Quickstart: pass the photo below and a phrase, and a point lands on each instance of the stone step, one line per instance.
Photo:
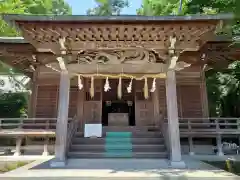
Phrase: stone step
(102, 148)
(123, 155)
(97, 141)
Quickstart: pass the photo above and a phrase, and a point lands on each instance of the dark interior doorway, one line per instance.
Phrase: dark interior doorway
(118, 107)
(112, 104)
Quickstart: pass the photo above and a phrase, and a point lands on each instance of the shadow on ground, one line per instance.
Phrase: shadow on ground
(149, 169)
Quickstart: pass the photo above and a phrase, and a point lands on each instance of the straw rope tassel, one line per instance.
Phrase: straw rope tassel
(145, 89)
(80, 85)
(119, 93)
(92, 87)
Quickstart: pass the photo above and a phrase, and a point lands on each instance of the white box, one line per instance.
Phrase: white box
(93, 130)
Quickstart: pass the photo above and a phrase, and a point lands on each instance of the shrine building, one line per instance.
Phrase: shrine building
(134, 78)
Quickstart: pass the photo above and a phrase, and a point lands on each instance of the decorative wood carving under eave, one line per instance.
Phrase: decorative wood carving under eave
(190, 35)
(20, 66)
(212, 54)
(24, 56)
(137, 56)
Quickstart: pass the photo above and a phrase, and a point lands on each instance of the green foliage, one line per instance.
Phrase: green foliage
(9, 166)
(13, 105)
(56, 7)
(13, 7)
(163, 7)
(217, 6)
(223, 91)
(108, 7)
(231, 166)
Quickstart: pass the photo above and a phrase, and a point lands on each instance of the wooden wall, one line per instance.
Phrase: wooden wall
(191, 97)
(191, 94)
(92, 107)
(47, 98)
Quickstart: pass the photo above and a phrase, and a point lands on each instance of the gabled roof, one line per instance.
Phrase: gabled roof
(120, 18)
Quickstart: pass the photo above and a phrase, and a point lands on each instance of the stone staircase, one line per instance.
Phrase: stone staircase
(119, 142)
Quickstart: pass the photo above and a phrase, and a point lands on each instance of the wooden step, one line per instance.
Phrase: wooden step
(102, 148)
(104, 155)
(120, 142)
(81, 140)
(133, 134)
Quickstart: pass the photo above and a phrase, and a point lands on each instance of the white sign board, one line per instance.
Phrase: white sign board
(93, 130)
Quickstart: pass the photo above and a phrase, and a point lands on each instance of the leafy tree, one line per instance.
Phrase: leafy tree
(219, 6)
(163, 7)
(56, 7)
(13, 7)
(13, 104)
(108, 7)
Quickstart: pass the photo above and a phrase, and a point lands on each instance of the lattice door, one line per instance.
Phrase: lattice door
(144, 110)
(93, 106)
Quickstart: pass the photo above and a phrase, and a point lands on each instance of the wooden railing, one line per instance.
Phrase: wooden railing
(208, 128)
(72, 128)
(23, 129)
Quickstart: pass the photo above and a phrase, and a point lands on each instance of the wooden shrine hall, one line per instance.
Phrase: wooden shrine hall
(133, 76)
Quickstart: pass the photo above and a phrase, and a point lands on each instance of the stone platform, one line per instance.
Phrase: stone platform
(117, 169)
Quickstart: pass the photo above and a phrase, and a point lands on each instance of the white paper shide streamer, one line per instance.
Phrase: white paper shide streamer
(129, 88)
(80, 85)
(107, 86)
(153, 85)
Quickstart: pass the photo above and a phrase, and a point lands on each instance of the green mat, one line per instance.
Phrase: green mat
(118, 134)
(118, 144)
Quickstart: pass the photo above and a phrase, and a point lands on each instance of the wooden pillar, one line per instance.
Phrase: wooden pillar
(45, 146)
(18, 146)
(80, 105)
(219, 145)
(62, 121)
(204, 96)
(33, 96)
(156, 106)
(173, 124)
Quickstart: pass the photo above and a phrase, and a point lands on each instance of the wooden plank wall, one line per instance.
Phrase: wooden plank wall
(190, 96)
(144, 109)
(47, 98)
(73, 100)
(92, 106)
